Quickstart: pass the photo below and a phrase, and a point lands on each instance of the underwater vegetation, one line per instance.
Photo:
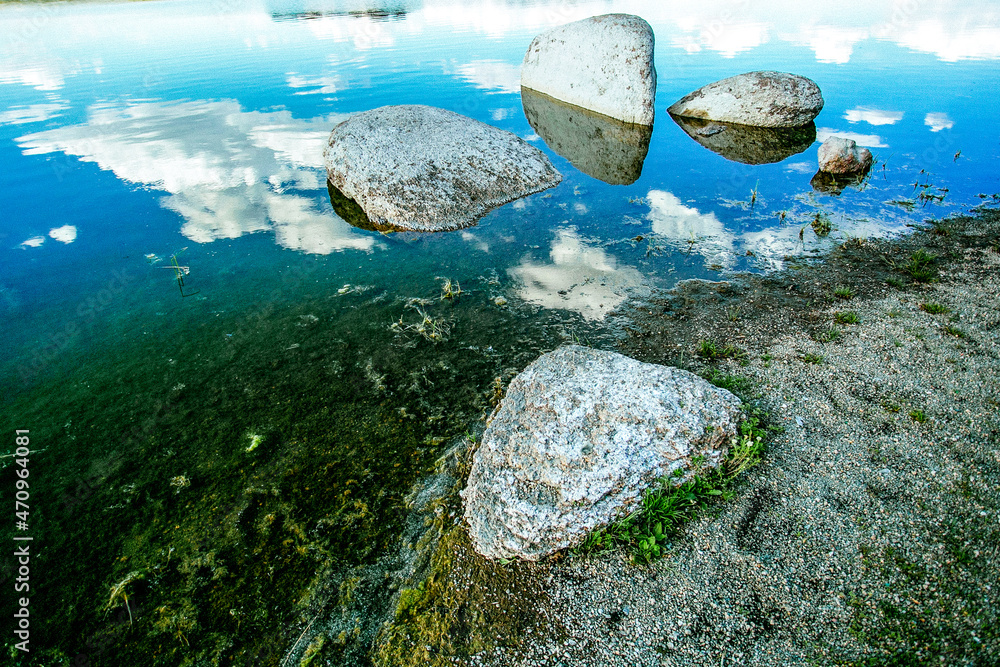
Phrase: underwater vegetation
(218, 506)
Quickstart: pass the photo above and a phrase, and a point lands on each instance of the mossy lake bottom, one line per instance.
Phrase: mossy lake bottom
(201, 487)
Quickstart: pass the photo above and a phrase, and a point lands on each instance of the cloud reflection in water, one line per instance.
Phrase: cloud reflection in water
(227, 171)
(581, 278)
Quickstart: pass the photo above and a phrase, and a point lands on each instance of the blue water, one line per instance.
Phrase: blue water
(144, 128)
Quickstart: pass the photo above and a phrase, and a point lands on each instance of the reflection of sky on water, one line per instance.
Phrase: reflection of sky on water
(227, 171)
(215, 116)
(686, 225)
(873, 116)
(938, 122)
(34, 113)
(580, 277)
(869, 140)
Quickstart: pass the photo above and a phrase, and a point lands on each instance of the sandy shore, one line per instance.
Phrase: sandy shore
(870, 535)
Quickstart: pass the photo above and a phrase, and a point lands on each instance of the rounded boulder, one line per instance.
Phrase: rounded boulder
(761, 99)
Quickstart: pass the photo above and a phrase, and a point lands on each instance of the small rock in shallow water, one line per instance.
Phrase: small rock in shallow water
(841, 156)
(761, 99)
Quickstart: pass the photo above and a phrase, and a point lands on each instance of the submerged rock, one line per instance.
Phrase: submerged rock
(579, 436)
(762, 99)
(420, 168)
(841, 156)
(747, 144)
(602, 63)
(600, 146)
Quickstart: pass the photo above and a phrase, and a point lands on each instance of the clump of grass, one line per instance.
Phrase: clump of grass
(922, 266)
(827, 335)
(119, 592)
(496, 391)
(954, 331)
(433, 329)
(934, 308)
(821, 224)
(450, 289)
(811, 358)
(848, 317)
(668, 506)
(843, 292)
(893, 281)
(737, 384)
(709, 350)
(918, 416)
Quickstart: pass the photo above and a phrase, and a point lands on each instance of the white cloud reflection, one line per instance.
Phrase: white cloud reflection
(319, 85)
(869, 140)
(226, 171)
(64, 234)
(34, 113)
(726, 39)
(831, 44)
(580, 277)
(953, 35)
(873, 116)
(45, 75)
(683, 224)
(938, 122)
(492, 75)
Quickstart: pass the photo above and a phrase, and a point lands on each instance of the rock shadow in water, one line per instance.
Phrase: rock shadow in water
(353, 214)
(747, 144)
(834, 184)
(600, 146)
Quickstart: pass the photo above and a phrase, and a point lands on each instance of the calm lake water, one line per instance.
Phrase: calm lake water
(215, 443)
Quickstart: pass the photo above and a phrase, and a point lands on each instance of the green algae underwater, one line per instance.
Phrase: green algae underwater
(203, 492)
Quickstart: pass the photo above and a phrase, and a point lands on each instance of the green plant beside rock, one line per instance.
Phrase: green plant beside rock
(668, 506)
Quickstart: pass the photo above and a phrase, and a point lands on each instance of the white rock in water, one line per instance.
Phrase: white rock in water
(762, 99)
(420, 168)
(603, 63)
(577, 439)
(841, 156)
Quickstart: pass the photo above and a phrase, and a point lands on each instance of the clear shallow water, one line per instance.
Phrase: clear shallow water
(131, 133)
(145, 128)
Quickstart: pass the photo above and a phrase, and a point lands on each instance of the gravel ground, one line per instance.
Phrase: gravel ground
(870, 534)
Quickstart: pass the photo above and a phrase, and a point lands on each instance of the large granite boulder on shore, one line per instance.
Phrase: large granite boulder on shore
(842, 157)
(602, 63)
(602, 147)
(420, 168)
(748, 144)
(578, 438)
(762, 99)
